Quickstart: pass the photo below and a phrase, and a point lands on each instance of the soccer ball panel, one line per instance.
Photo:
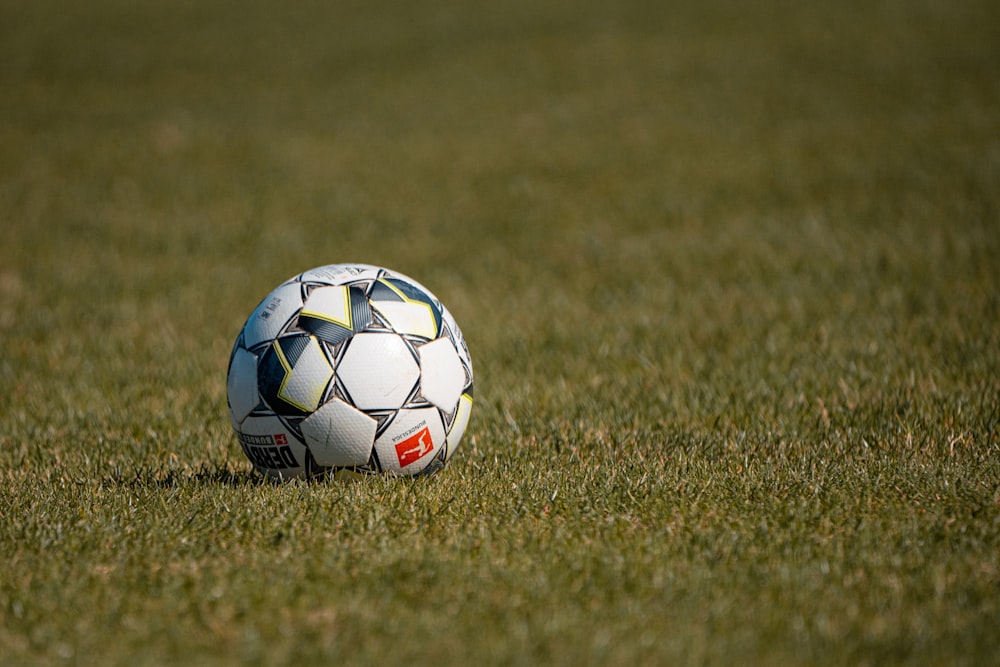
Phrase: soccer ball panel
(411, 441)
(339, 274)
(241, 385)
(272, 314)
(272, 447)
(459, 340)
(335, 313)
(338, 435)
(407, 308)
(378, 371)
(293, 375)
(416, 319)
(409, 286)
(459, 425)
(306, 381)
(332, 304)
(442, 376)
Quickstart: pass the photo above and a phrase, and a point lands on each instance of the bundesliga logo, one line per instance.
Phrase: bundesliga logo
(414, 448)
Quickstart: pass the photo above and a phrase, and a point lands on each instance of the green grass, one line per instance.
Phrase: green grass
(728, 272)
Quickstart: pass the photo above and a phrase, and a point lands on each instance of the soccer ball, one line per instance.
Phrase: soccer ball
(349, 367)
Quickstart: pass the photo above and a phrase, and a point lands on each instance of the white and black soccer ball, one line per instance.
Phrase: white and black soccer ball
(349, 367)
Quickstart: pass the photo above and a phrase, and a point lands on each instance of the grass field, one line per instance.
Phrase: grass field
(729, 273)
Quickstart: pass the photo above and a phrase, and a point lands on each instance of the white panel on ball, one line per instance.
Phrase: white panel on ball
(272, 447)
(330, 303)
(339, 436)
(272, 314)
(442, 377)
(378, 371)
(410, 441)
(339, 274)
(408, 317)
(463, 350)
(241, 385)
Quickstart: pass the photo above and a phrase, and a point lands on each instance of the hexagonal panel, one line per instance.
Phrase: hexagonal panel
(378, 371)
(339, 435)
(442, 376)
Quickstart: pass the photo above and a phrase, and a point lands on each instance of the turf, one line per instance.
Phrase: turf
(728, 272)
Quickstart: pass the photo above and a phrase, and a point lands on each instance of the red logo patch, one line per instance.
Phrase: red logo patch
(281, 439)
(415, 447)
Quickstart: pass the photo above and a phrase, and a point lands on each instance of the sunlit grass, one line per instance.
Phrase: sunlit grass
(728, 275)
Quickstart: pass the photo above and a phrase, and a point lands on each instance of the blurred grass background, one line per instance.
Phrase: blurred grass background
(728, 273)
